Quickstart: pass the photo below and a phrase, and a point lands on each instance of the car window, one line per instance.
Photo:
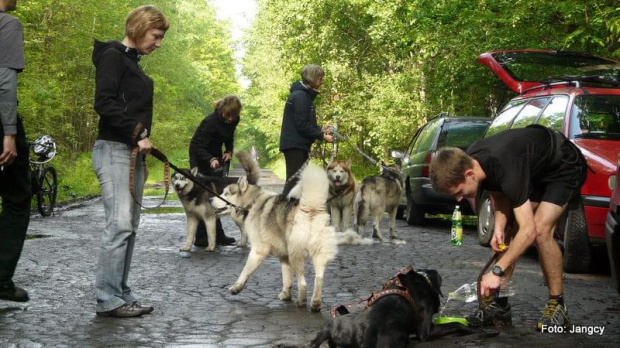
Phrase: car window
(530, 112)
(426, 138)
(461, 133)
(596, 117)
(505, 117)
(553, 116)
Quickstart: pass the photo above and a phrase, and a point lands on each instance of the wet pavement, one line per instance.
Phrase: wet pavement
(194, 309)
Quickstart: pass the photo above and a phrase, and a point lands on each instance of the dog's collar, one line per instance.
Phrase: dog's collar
(428, 280)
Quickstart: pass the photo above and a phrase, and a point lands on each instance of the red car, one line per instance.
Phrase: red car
(576, 94)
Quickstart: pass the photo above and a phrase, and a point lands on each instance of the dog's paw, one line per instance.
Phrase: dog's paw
(185, 248)
(316, 307)
(284, 296)
(235, 289)
(210, 248)
(300, 302)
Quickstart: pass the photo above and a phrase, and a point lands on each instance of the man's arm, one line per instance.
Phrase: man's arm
(502, 211)
(8, 114)
(524, 214)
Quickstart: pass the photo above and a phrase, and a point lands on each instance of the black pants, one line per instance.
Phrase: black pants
(15, 193)
(295, 159)
(201, 230)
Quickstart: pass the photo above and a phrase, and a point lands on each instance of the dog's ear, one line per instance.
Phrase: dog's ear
(349, 163)
(194, 171)
(243, 183)
(435, 279)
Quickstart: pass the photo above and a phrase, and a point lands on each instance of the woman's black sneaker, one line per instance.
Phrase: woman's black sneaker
(13, 293)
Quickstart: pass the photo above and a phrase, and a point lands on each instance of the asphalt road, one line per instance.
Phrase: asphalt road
(193, 308)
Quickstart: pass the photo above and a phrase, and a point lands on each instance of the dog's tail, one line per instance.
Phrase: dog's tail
(252, 171)
(314, 188)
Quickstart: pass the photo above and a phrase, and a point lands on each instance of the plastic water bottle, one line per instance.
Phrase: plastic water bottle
(456, 234)
(469, 292)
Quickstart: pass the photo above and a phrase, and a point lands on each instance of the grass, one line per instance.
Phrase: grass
(163, 210)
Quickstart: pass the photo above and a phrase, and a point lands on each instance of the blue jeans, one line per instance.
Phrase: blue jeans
(111, 162)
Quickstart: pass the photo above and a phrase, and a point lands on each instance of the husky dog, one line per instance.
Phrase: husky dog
(341, 193)
(195, 199)
(289, 229)
(376, 195)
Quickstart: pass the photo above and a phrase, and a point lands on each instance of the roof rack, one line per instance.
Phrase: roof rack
(577, 84)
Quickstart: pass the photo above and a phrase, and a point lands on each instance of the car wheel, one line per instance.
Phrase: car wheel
(577, 250)
(486, 219)
(415, 213)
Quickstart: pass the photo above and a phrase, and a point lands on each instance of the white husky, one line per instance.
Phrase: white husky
(290, 229)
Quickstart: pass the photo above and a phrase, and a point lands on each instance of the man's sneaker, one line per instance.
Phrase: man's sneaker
(495, 312)
(555, 314)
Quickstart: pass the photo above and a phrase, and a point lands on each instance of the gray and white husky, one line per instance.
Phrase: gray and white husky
(378, 195)
(289, 229)
(195, 199)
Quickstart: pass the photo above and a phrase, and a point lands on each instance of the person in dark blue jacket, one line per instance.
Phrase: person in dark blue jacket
(299, 126)
(124, 102)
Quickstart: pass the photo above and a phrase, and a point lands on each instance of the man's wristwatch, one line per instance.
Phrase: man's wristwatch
(498, 271)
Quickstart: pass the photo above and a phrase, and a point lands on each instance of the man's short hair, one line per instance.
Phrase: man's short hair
(143, 18)
(311, 74)
(448, 168)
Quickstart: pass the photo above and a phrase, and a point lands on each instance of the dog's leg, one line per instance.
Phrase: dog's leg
(192, 225)
(346, 217)
(320, 263)
(243, 242)
(210, 223)
(287, 280)
(393, 223)
(335, 212)
(254, 260)
(376, 220)
(297, 263)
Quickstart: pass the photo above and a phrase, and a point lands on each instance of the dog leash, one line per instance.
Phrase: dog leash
(132, 178)
(167, 165)
(368, 157)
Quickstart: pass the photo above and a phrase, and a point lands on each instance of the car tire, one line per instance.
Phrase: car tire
(415, 213)
(486, 219)
(577, 249)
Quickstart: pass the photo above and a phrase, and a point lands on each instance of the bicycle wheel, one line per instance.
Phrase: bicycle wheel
(48, 187)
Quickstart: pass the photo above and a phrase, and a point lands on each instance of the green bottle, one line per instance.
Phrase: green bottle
(456, 234)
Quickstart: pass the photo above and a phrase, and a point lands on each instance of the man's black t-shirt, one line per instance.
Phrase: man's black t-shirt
(515, 162)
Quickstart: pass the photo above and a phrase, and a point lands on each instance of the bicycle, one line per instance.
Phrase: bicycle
(44, 179)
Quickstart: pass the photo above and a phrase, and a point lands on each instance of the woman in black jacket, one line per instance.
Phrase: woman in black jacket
(124, 102)
(205, 152)
(299, 127)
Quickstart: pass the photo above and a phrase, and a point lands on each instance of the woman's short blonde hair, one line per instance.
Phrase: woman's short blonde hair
(228, 106)
(311, 73)
(143, 18)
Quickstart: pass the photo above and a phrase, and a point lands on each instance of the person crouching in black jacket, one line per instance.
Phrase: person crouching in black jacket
(205, 152)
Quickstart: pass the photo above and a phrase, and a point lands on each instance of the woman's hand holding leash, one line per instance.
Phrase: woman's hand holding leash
(145, 146)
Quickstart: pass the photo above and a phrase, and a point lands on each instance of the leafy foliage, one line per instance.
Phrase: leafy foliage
(394, 63)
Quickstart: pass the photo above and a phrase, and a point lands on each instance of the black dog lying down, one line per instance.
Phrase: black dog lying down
(405, 306)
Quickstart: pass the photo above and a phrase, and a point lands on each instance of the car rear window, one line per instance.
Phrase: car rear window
(461, 133)
(596, 117)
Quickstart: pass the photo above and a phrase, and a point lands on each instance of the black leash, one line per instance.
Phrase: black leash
(160, 156)
(370, 159)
